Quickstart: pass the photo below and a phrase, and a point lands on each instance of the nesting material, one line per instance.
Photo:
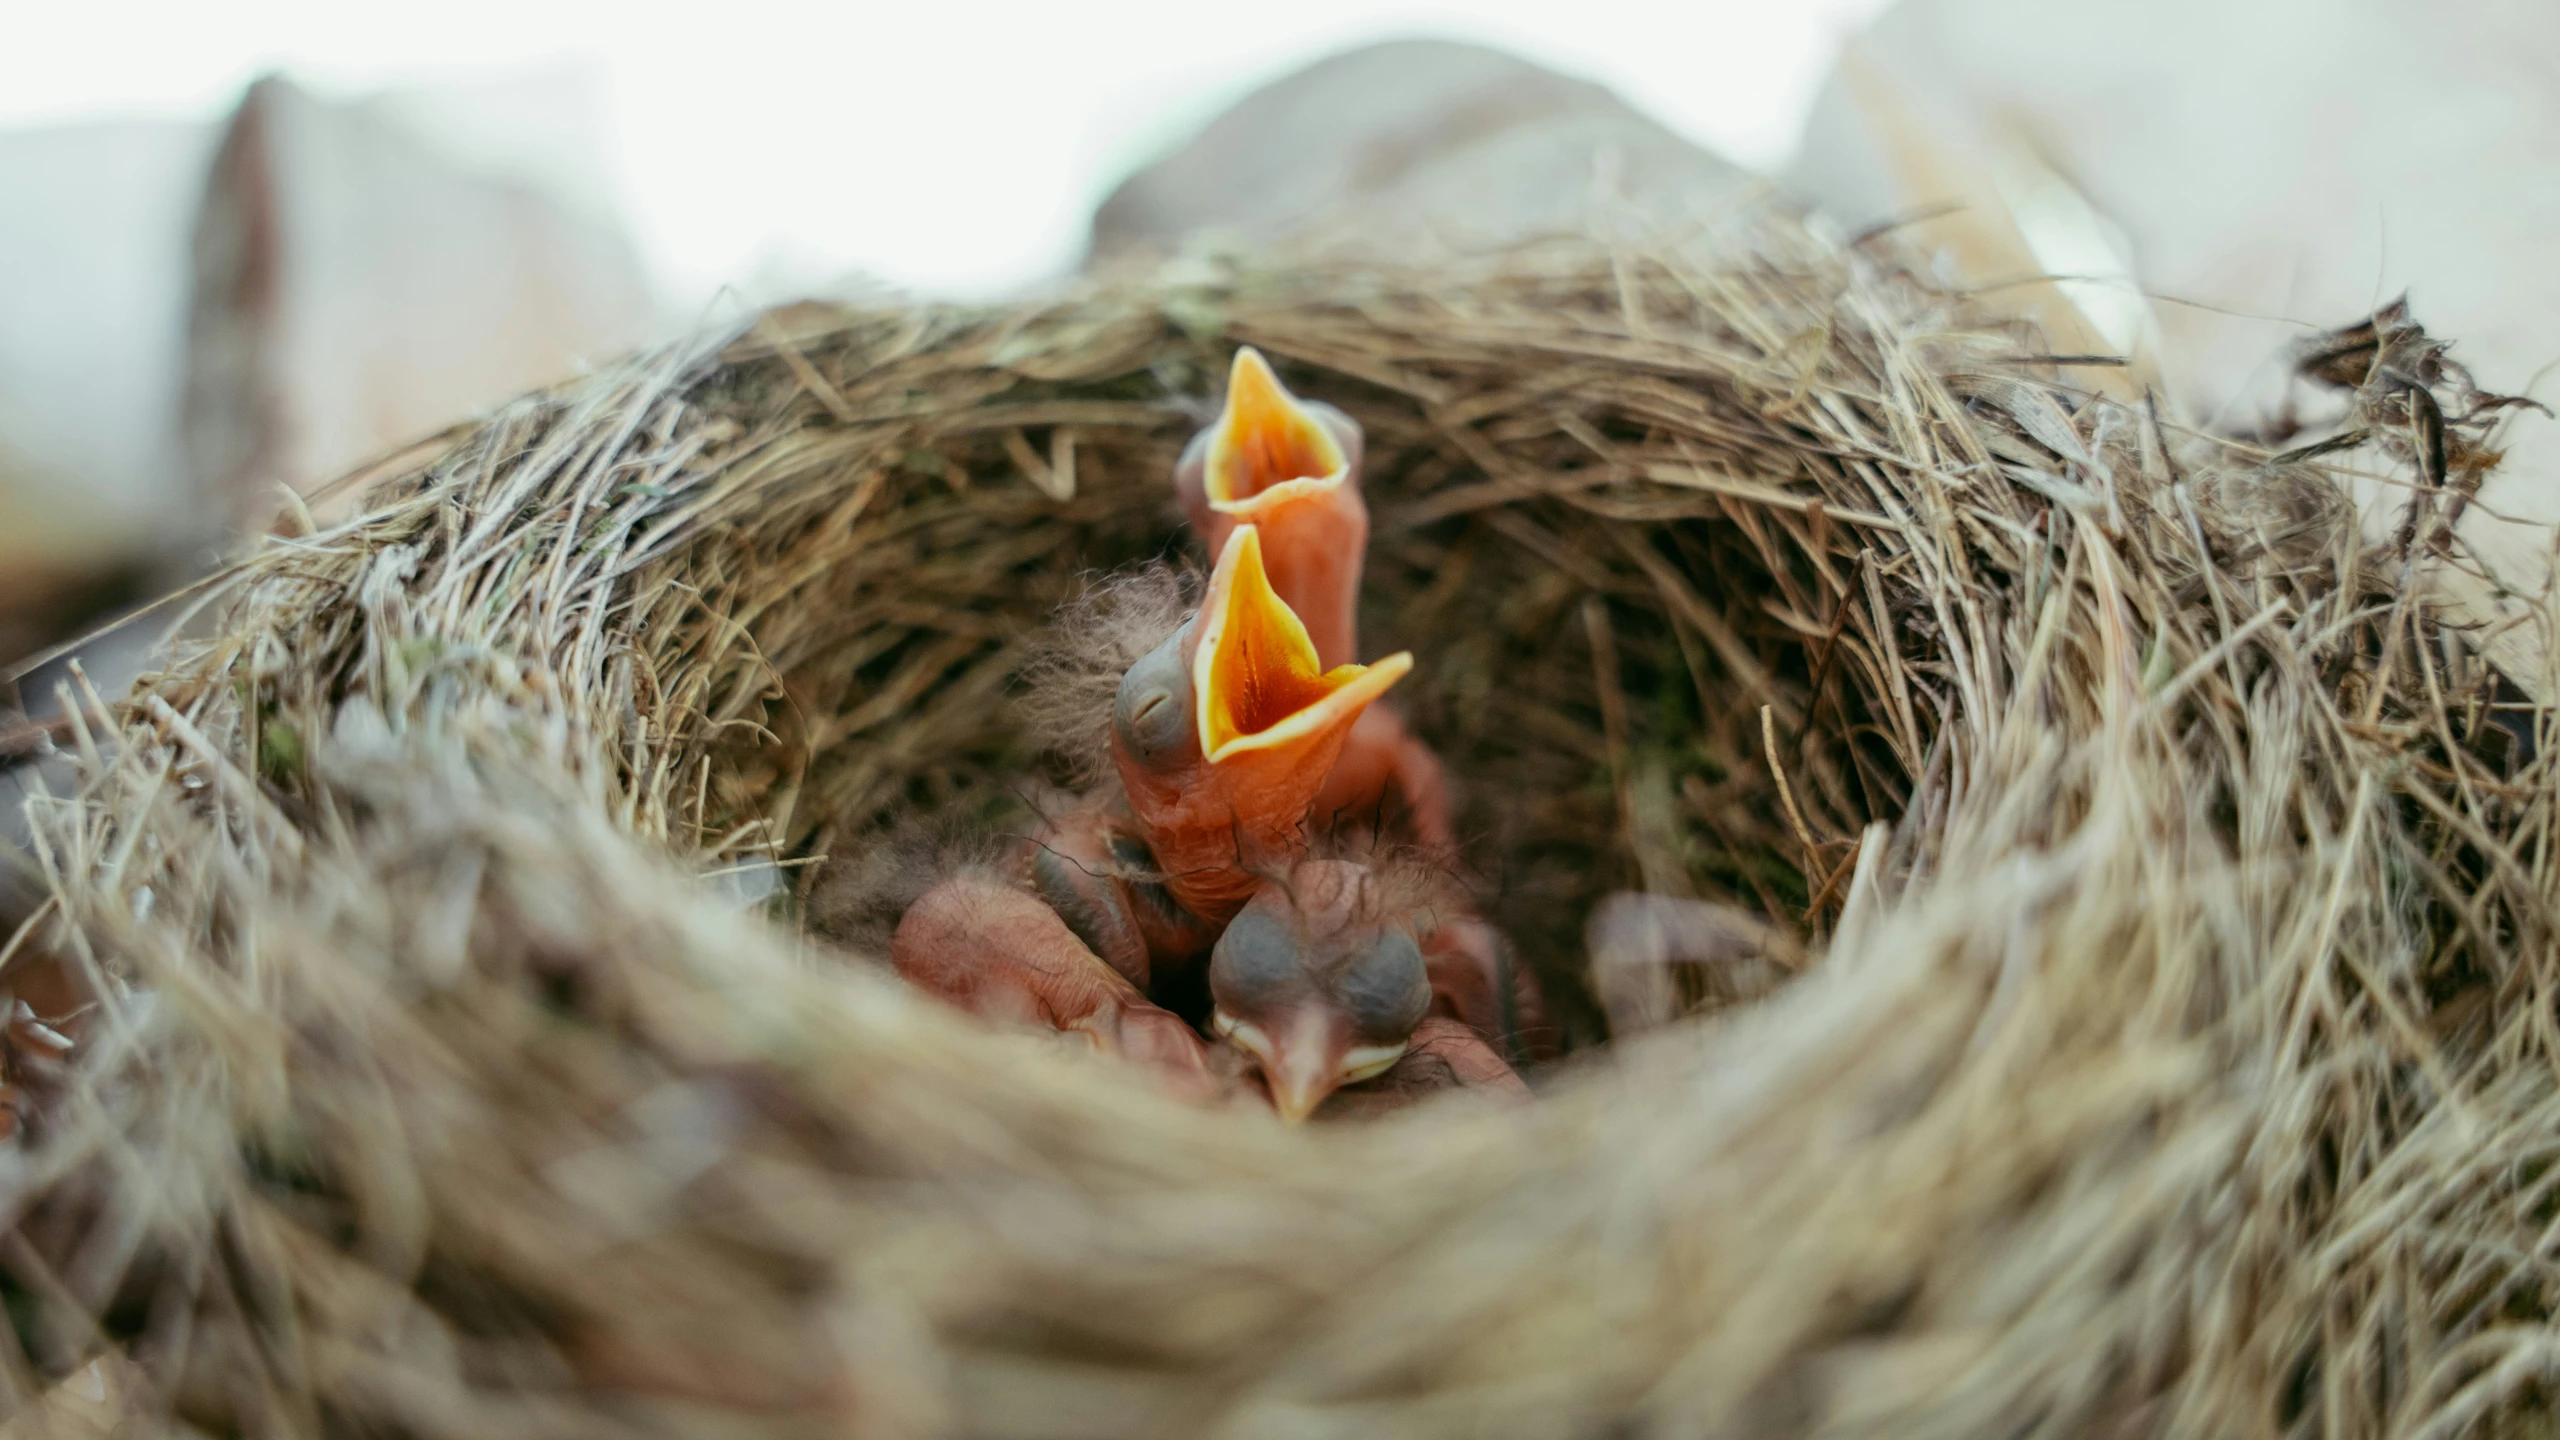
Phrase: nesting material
(2149, 1025)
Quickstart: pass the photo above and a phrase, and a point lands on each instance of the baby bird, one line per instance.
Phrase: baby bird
(1322, 979)
(1336, 972)
(988, 948)
(1224, 735)
(1290, 468)
(1322, 972)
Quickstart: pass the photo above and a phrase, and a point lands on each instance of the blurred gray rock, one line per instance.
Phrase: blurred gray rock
(1414, 143)
(192, 316)
(357, 288)
(2242, 175)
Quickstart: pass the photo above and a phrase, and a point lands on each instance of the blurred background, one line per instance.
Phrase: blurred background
(246, 248)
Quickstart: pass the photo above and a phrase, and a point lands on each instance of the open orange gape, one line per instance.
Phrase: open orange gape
(1229, 738)
(1267, 724)
(1224, 735)
(1262, 687)
(1268, 447)
(1289, 468)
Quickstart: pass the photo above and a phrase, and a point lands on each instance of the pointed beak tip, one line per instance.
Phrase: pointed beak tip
(1255, 396)
(1294, 1105)
(1251, 644)
(1239, 565)
(1301, 1074)
(1245, 541)
(1366, 685)
(1267, 439)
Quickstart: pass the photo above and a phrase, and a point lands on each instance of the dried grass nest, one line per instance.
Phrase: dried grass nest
(2176, 1054)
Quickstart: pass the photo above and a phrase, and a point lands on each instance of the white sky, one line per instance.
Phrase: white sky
(945, 147)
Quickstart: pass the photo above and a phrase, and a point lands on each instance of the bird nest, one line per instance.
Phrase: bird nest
(2141, 1010)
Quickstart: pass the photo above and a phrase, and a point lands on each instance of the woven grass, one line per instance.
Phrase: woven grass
(2176, 1054)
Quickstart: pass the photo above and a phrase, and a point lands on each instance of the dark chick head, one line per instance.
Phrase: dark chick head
(1153, 720)
(1225, 732)
(1079, 662)
(1320, 979)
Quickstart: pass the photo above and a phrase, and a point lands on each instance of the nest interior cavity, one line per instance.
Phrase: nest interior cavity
(2175, 1049)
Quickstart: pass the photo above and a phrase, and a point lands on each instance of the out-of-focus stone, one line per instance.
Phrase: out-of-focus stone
(362, 274)
(356, 289)
(2257, 171)
(1412, 144)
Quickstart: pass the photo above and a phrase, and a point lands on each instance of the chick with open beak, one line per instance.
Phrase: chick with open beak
(1224, 735)
(1290, 468)
(1319, 982)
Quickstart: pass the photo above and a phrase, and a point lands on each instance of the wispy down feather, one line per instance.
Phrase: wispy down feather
(1073, 675)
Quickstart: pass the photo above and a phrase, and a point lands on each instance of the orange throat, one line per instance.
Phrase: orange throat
(1271, 722)
(1255, 674)
(1267, 444)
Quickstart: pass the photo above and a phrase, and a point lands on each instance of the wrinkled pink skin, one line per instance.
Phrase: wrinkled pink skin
(1388, 782)
(1000, 954)
(1315, 551)
(1464, 958)
(992, 948)
(1110, 898)
(1474, 1063)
